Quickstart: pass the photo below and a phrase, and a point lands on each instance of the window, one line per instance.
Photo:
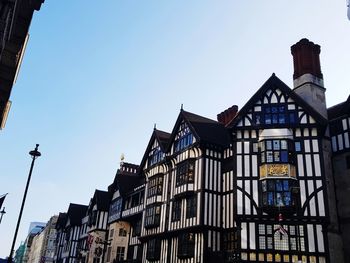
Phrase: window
(275, 114)
(137, 228)
(176, 213)
(191, 206)
(185, 247)
(109, 254)
(92, 218)
(111, 233)
(135, 200)
(230, 240)
(276, 151)
(184, 138)
(297, 146)
(156, 155)
(152, 217)
(270, 237)
(155, 186)
(122, 232)
(120, 253)
(185, 172)
(115, 210)
(277, 193)
(153, 249)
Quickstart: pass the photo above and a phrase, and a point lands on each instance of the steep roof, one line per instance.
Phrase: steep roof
(75, 213)
(128, 183)
(101, 199)
(204, 129)
(61, 220)
(163, 139)
(339, 110)
(275, 82)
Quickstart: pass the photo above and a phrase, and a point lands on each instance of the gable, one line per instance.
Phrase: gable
(183, 137)
(156, 149)
(276, 105)
(155, 155)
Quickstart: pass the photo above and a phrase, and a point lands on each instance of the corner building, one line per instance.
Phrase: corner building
(257, 186)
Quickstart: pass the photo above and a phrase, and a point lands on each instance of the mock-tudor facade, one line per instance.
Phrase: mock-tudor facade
(266, 183)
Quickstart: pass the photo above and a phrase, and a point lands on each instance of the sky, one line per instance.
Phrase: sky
(96, 78)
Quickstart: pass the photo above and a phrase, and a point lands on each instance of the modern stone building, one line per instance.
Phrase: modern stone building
(43, 245)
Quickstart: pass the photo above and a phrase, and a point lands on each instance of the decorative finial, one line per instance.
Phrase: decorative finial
(155, 126)
(122, 157)
(182, 106)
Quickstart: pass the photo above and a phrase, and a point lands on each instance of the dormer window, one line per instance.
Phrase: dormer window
(184, 137)
(156, 154)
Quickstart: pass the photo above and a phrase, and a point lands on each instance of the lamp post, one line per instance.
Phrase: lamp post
(2, 212)
(34, 154)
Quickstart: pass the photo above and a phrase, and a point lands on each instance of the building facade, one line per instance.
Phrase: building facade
(15, 19)
(266, 183)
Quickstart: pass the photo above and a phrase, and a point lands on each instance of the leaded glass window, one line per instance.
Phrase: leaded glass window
(271, 237)
(184, 137)
(176, 213)
(276, 151)
(185, 172)
(153, 249)
(186, 245)
(191, 206)
(275, 114)
(152, 216)
(277, 193)
(155, 186)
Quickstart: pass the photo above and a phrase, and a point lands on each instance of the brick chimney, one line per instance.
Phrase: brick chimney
(307, 77)
(227, 115)
(306, 57)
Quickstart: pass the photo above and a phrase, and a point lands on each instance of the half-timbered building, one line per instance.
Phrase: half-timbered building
(70, 235)
(182, 218)
(339, 123)
(281, 173)
(266, 183)
(60, 226)
(97, 214)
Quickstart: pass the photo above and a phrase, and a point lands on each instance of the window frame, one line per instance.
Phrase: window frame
(185, 172)
(152, 215)
(191, 206)
(153, 249)
(275, 114)
(186, 245)
(274, 151)
(176, 210)
(155, 185)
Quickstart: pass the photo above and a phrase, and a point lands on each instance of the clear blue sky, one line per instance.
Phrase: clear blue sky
(96, 76)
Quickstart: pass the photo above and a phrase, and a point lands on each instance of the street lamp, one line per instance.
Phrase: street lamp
(34, 154)
(2, 212)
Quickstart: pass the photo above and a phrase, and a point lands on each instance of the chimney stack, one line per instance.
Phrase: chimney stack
(227, 116)
(308, 78)
(306, 57)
